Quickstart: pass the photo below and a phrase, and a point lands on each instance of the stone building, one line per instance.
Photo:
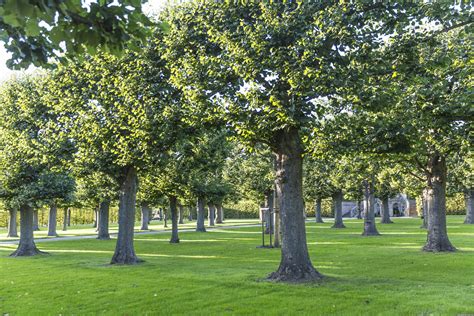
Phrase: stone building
(400, 205)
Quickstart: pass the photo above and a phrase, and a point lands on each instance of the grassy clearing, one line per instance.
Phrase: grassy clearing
(221, 272)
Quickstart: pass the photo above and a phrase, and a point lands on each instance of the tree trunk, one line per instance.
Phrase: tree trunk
(211, 214)
(12, 227)
(385, 212)
(469, 198)
(174, 220)
(68, 217)
(337, 205)
(180, 214)
(190, 217)
(295, 264)
(424, 206)
(165, 218)
(96, 218)
(276, 215)
(317, 211)
(27, 246)
(359, 209)
(369, 214)
(145, 216)
(161, 213)
(220, 213)
(65, 212)
(269, 213)
(124, 250)
(35, 220)
(52, 220)
(437, 239)
(200, 215)
(103, 232)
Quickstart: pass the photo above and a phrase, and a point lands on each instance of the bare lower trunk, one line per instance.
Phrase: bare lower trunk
(161, 214)
(437, 239)
(52, 220)
(200, 215)
(103, 232)
(211, 214)
(124, 250)
(359, 209)
(369, 214)
(96, 218)
(337, 205)
(68, 217)
(385, 212)
(180, 214)
(12, 227)
(469, 198)
(65, 212)
(35, 220)
(190, 216)
(424, 205)
(317, 211)
(295, 264)
(269, 225)
(165, 218)
(219, 213)
(276, 215)
(145, 216)
(27, 246)
(174, 220)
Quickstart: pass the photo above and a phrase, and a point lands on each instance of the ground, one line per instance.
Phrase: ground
(222, 271)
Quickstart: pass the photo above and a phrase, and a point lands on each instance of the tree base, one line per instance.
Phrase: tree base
(201, 230)
(386, 222)
(27, 252)
(103, 238)
(53, 235)
(295, 274)
(174, 241)
(319, 221)
(371, 233)
(14, 235)
(125, 259)
(438, 247)
(219, 222)
(338, 226)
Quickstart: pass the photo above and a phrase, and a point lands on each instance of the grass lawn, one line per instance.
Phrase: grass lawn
(221, 272)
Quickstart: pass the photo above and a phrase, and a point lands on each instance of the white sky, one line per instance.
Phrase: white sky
(150, 7)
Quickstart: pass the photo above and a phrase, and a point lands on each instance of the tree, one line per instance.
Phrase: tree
(36, 31)
(30, 152)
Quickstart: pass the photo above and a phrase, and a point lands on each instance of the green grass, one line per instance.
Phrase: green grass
(221, 272)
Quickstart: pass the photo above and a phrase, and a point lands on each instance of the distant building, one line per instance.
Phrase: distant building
(400, 205)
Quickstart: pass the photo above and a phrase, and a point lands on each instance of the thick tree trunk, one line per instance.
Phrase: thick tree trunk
(211, 214)
(174, 220)
(180, 214)
(35, 220)
(220, 213)
(52, 220)
(145, 216)
(65, 212)
(295, 264)
(103, 232)
(437, 239)
(317, 211)
(124, 250)
(369, 214)
(425, 207)
(68, 217)
(469, 199)
(337, 205)
(200, 215)
(27, 246)
(385, 212)
(269, 213)
(276, 215)
(12, 227)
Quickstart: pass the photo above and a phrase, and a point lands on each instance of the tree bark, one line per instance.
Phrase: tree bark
(220, 213)
(65, 212)
(437, 239)
(68, 217)
(424, 205)
(124, 250)
(276, 215)
(145, 216)
(52, 220)
(269, 213)
(103, 232)
(174, 220)
(469, 199)
(337, 205)
(200, 215)
(161, 213)
(369, 214)
(190, 217)
(12, 227)
(385, 212)
(27, 246)
(180, 214)
(96, 218)
(295, 264)
(35, 220)
(211, 214)
(317, 211)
